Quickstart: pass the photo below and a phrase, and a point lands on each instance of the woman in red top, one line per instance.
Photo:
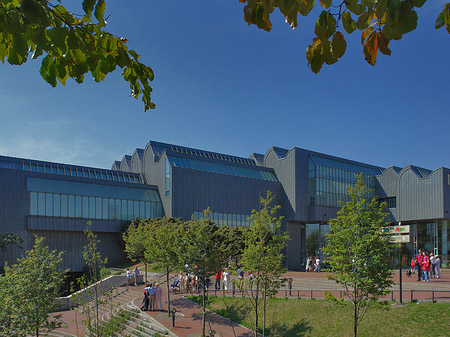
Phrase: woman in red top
(426, 267)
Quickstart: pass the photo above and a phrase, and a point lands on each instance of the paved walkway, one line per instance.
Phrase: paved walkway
(188, 316)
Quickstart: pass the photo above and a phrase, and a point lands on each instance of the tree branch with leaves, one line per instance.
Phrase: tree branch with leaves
(379, 21)
(72, 45)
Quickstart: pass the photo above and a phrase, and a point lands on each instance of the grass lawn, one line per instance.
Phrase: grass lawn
(324, 318)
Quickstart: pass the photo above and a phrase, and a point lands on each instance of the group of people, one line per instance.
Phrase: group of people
(135, 275)
(313, 265)
(152, 300)
(426, 265)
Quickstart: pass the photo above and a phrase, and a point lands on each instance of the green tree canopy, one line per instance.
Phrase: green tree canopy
(359, 252)
(27, 291)
(72, 45)
(379, 21)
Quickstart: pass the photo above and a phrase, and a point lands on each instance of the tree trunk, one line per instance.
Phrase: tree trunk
(264, 312)
(145, 270)
(355, 307)
(204, 310)
(256, 309)
(168, 291)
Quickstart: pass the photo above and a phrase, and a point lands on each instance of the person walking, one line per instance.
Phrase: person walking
(136, 274)
(152, 296)
(128, 277)
(218, 276)
(437, 264)
(226, 279)
(146, 299)
(433, 265)
(158, 297)
(419, 258)
(426, 267)
(317, 265)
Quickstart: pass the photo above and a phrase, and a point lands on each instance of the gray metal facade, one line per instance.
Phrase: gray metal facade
(307, 185)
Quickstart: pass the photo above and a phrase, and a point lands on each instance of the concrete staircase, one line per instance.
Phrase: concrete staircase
(119, 316)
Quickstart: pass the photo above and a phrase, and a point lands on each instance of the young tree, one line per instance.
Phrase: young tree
(162, 246)
(263, 255)
(73, 45)
(202, 248)
(359, 252)
(91, 285)
(27, 291)
(379, 22)
(136, 238)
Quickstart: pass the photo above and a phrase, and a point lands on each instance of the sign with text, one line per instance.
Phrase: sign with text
(401, 238)
(397, 229)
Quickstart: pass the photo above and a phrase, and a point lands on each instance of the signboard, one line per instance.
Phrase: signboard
(401, 238)
(398, 229)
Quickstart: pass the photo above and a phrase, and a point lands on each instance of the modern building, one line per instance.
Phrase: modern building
(56, 200)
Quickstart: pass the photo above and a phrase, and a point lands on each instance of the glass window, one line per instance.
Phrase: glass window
(105, 208)
(33, 203)
(79, 172)
(121, 177)
(41, 203)
(98, 208)
(124, 210)
(103, 175)
(154, 210)
(49, 204)
(148, 209)
(71, 206)
(91, 207)
(108, 176)
(64, 205)
(33, 167)
(86, 173)
(40, 167)
(47, 168)
(115, 178)
(86, 207)
(112, 209)
(26, 167)
(167, 180)
(78, 206)
(60, 170)
(130, 210)
(119, 209)
(56, 204)
(142, 210)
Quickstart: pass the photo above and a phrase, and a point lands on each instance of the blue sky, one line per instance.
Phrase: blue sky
(223, 86)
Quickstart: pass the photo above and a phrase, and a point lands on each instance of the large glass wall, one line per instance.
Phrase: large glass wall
(218, 167)
(68, 170)
(314, 238)
(329, 180)
(226, 219)
(91, 201)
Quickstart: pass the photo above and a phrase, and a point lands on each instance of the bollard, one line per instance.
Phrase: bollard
(432, 297)
(412, 299)
(290, 286)
(234, 288)
(173, 317)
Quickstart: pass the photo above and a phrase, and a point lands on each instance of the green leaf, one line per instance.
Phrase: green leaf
(418, 3)
(348, 22)
(440, 20)
(354, 7)
(18, 52)
(407, 19)
(325, 3)
(363, 20)
(78, 56)
(371, 48)
(305, 6)
(88, 6)
(338, 44)
(325, 26)
(100, 11)
(380, 8)
(314, 55)
(383, 44)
